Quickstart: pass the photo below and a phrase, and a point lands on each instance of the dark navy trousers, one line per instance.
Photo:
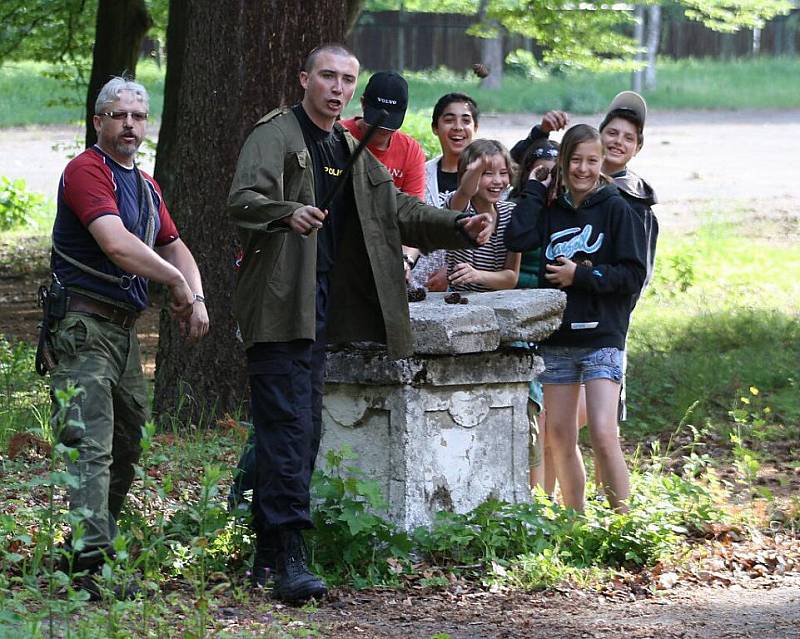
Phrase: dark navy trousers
(287, 381)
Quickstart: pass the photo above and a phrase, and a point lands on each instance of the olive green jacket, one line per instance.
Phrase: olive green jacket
(275, 293)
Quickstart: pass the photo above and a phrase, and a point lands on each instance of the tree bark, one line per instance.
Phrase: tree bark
(119, 29)
(229, 62)
(353, 10)
(653, 40)
(492, 54)
(638, 36)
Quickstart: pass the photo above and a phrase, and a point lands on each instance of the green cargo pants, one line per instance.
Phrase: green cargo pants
(103, 421)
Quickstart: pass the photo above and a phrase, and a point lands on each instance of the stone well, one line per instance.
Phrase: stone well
(446, 428)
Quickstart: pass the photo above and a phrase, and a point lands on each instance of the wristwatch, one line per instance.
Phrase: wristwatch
(196, 297)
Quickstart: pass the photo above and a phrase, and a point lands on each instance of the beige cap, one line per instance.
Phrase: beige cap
(629, 101)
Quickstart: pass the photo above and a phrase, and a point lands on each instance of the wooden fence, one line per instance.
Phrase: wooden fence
(416, 41)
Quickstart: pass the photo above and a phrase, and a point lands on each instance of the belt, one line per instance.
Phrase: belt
(114, 314)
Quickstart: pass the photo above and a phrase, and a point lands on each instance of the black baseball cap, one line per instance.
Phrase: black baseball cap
(386, 90)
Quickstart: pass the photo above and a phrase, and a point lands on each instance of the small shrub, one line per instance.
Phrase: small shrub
(417, 124)
(16, 203)
(351, 541)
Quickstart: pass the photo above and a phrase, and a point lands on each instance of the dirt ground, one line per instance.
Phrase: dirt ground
(747, 159)
(691, 613)
(740, 156)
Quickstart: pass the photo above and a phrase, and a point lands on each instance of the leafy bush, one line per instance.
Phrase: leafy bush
(351, 541)
(663, 510)
(16, 203)
(354, 543)
(417, 124)
(524, 63)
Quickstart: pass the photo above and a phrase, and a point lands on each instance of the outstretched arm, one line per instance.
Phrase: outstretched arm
(132, 255)
(429, 228)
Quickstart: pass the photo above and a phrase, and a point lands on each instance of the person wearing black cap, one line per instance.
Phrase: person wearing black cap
(401, 154)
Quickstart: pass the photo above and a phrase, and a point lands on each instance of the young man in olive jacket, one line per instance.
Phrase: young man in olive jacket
(310, 276)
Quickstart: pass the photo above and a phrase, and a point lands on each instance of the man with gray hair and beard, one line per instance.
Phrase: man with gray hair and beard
(112, 234)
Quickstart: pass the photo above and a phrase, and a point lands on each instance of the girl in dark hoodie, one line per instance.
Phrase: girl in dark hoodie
(594, 249)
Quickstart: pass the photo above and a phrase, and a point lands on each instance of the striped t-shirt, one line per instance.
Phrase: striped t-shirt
(489, 257)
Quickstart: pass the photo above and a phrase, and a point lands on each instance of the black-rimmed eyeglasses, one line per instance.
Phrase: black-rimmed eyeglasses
(139, 116)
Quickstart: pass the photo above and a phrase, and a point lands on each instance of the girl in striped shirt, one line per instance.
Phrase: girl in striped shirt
(484, 173)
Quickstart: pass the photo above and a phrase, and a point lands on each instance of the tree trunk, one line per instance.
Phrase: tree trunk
(353, 10)
(401, 39)
(492, 54)
(120, 27)
(652, 40)
(491, 50)
(790, 35)
(727, 46)
(638, 37)
(756, 49)
(229, 62)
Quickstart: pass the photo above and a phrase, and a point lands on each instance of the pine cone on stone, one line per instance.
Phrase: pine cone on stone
(453, 298)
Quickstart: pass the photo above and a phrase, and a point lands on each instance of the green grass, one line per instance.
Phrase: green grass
(715, 336)
(27, 97)
(722, 315)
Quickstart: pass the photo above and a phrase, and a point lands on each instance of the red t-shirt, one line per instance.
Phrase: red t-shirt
(91, 186)
(404, 159)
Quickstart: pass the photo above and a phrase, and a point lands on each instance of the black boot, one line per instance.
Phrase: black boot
(91, 583)
(293, 580)
(264, 558)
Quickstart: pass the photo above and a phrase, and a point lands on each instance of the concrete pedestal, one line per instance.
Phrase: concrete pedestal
(447, 428)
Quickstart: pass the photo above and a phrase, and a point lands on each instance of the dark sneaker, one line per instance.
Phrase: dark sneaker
(294, 582)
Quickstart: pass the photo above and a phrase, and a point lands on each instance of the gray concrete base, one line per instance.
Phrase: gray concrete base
(443, 431)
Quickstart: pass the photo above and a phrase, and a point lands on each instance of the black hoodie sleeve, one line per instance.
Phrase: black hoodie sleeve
(524, 231)
(625, 273)
(520, 148)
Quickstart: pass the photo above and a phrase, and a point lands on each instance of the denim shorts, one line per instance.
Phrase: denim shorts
(568, 365)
